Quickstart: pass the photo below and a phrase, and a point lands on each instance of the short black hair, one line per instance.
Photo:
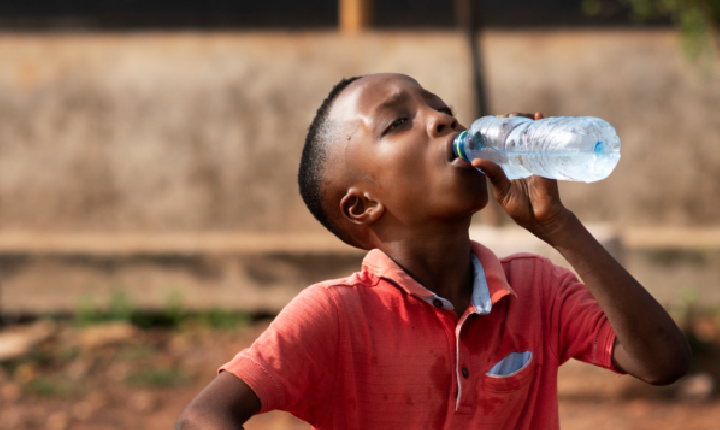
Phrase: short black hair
(314, 157)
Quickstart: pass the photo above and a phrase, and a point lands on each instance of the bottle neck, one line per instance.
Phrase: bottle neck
(459, 146)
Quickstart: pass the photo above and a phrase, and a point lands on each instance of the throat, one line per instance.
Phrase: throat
(440, 260)
(455, 289)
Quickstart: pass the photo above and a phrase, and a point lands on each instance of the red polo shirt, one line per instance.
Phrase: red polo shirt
(377, 350)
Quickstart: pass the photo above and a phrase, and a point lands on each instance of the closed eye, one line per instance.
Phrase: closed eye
(393, 125)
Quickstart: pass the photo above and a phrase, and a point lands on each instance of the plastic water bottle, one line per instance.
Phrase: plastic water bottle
(573, 148)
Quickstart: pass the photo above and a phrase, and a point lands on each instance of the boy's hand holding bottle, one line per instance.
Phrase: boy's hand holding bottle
(533, 202)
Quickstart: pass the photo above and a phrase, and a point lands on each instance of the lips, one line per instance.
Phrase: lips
(449, 147)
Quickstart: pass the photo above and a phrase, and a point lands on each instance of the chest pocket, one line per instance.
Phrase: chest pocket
(504, 390)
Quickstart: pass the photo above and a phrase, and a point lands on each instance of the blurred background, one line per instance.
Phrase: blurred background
(150, 223)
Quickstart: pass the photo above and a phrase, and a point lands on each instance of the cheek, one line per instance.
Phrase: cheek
(404, 174)
(422, 197)
(407, 196)
(468, 194)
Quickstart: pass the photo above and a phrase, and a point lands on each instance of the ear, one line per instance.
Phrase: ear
(361, 207)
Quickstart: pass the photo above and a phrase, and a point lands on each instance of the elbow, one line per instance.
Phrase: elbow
(194, 417)
(189, 419)
(667, 378)
(204, 417)
(674, 368)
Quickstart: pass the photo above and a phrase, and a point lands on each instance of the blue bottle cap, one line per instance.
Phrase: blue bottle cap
(458, 146)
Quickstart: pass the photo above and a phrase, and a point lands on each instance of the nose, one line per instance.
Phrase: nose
(440, 123)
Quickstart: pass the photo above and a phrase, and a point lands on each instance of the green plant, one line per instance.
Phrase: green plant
(8, 366)
(223, 319)
(175, 308)
(158, 378)
(46, 386)
(170, 317)
(120, 307)
(86, 311)
(696, 19)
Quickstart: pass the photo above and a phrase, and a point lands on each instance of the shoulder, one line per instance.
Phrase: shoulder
(530, 271)
(334, 291)
(318, 312)
(357, 279)
(524, 264)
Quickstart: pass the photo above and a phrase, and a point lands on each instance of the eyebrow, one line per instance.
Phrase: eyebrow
(392, 101)
(430, 95)
(400, 97)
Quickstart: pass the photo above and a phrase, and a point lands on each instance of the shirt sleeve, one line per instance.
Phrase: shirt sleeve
(581, 329)
(292, 365)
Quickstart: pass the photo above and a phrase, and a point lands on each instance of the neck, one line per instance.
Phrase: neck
(438, 259)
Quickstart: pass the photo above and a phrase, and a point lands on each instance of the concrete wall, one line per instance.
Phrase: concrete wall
(198, 132)
(187, 132)
(665, 112)
(202, 133)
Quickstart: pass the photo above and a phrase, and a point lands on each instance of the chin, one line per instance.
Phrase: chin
(482, 205)
(479, 207)
(468, 207)
(476, 199)
(464, 200)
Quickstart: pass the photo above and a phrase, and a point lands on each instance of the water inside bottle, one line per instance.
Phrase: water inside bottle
(575, 166)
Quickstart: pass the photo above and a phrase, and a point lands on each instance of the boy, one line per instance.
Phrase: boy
(435, 331)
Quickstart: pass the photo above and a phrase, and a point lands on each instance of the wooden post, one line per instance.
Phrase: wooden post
(355, 15)
(465, 15)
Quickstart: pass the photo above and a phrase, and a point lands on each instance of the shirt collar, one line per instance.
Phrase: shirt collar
(480, 299)
(490, 284)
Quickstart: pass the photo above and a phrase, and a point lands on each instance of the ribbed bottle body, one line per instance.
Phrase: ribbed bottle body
(567, 148)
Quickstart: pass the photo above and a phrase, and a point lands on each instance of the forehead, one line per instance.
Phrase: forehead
(364, 96)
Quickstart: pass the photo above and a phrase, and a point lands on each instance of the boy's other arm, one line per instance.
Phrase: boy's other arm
(648, 344)
(226, 403)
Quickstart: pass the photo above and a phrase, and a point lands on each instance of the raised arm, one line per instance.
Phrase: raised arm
(649, 345)
(226, 403)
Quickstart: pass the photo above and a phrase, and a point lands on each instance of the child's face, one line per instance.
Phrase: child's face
(395, 141)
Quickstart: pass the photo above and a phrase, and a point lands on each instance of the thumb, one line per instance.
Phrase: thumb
(500, 182)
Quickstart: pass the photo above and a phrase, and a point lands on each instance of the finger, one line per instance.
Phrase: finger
(500, 182)
(510, 115)
(524, 115)
(545, 196)
(545, 187)
(539, 115)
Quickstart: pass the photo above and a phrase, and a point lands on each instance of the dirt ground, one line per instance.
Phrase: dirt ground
(117, 376)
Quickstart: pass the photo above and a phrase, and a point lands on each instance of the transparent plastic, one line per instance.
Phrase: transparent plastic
(571, 148)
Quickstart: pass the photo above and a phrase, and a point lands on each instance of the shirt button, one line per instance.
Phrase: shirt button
(465, 372)
(437, 303)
